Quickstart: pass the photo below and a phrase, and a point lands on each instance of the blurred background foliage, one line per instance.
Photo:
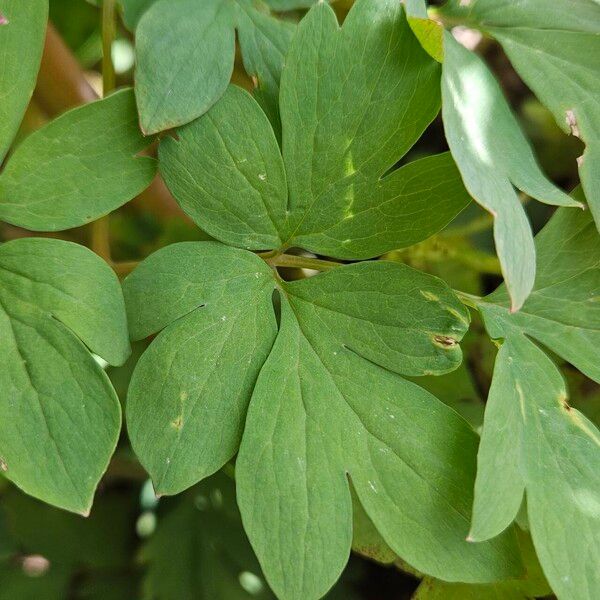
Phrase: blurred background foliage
(193, 546)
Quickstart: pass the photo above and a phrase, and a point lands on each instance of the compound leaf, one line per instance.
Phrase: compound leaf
(532, 440)
(556, 49)
(493, 155)
(189, 394)
(22, 32)
(77, 168)
(61, 417)
(328, 405)
(199, 550)
(374, 83)
(185, 51)
(353, 101)
(328, 400)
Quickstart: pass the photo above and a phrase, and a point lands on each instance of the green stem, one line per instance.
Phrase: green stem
(100, 229)
(301, 262)
(109, 34)
(100, 242)
(124, 268)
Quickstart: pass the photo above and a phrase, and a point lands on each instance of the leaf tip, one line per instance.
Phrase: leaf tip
(515, 305)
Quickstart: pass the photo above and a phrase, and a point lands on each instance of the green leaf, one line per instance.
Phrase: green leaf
(283, 5)
(200, 551)
(213, 305)
(434, 589)
(366, 540)
(457, 390)
(532, 439)
(227, 173)
(328, 404)
(493, 155)
(133, 11)
(416, 8)
(327, 401)
(532, 585)
(22, 34)
(339, 142)
(77, 168)
(429, 32)
(563, 311)
(264, 42)
(556, 459)
(337, 200)
(556, 49)
(185, 51)
(61, 416)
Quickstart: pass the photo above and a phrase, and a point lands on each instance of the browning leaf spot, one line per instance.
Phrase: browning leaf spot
(444, 340)
(571, 120)
(3, 465)
(177, 423)
(562, 399)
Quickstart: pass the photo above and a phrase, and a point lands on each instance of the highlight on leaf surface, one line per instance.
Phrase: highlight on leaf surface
(555, 48)
(61, 417)
(533, 441)
(493, 156)
(77, 168)
(353, 101)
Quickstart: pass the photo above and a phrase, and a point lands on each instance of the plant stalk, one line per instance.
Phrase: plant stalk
(101, 228)
(301, 262)
(124, 268)
(109, 34)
